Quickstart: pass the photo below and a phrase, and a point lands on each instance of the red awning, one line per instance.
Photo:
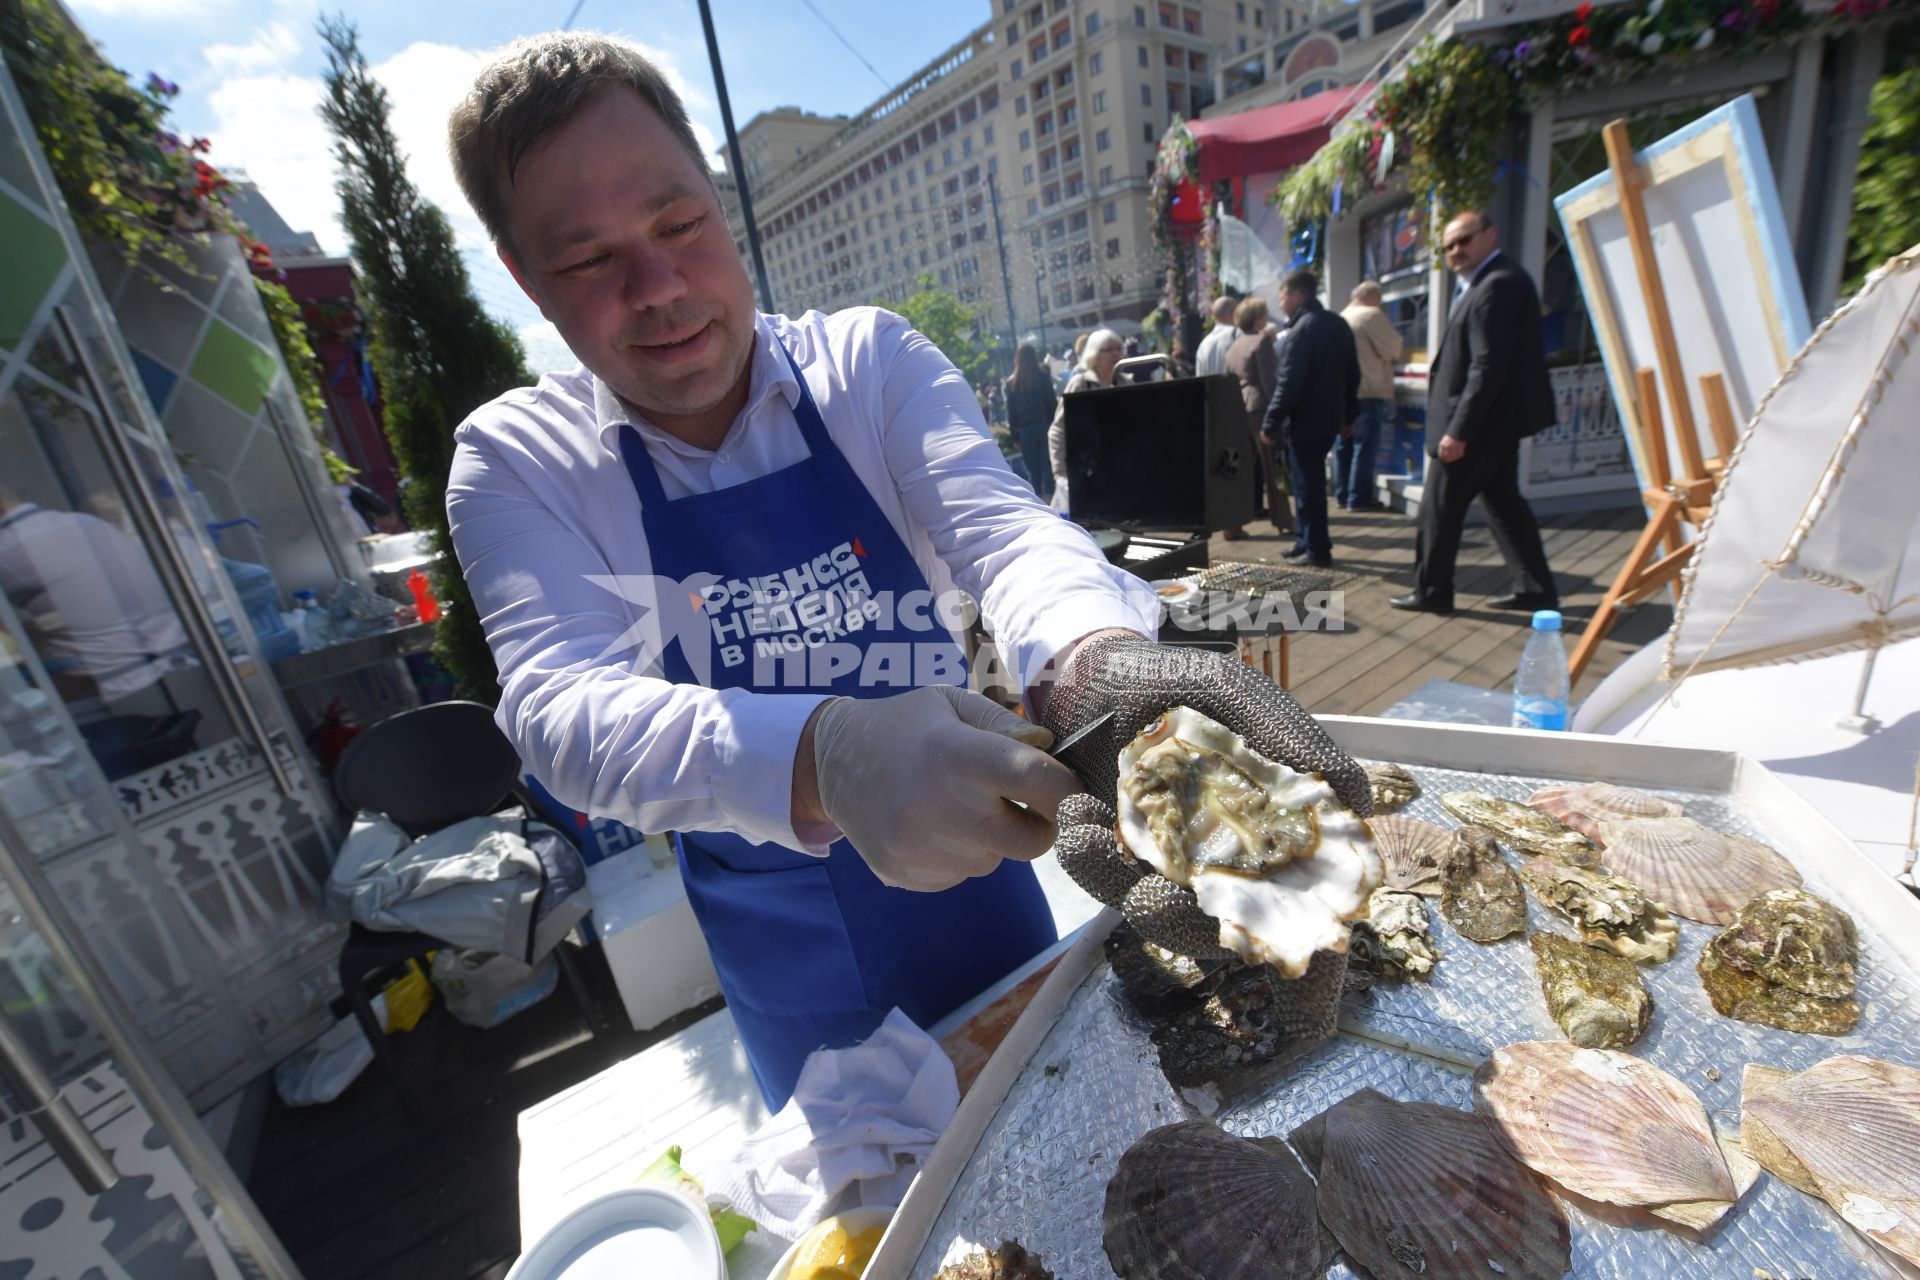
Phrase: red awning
(1269, 139)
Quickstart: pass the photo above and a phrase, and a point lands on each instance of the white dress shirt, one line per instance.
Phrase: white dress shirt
(1211, 358)
(539, 502)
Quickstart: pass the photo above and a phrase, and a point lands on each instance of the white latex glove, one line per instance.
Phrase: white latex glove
(924, 784)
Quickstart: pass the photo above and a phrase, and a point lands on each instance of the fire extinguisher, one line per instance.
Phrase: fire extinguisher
(331, 736)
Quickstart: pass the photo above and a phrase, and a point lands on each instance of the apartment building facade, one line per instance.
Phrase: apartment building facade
(1053, 110)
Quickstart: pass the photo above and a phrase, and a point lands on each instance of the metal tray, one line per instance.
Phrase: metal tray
(1077, 1081)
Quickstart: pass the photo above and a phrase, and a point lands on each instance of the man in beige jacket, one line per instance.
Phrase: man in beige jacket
(1379, 347)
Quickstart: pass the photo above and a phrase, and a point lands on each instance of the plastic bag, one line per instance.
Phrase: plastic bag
(484, 989)
(321, 1071)
(407, 998)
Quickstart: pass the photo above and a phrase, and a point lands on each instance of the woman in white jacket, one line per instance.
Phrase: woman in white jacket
(1102, 351)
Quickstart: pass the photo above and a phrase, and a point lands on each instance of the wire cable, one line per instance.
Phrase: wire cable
(568, 24)
(885, 83)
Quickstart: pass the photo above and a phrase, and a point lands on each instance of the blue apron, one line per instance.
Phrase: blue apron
(813, 952)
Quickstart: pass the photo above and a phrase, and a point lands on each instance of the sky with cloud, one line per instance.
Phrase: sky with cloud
(249, 76)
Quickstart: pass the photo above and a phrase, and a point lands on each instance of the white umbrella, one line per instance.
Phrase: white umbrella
(1813, 545)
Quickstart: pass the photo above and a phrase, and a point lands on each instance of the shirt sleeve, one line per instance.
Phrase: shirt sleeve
(1040, 581)
(601, 734)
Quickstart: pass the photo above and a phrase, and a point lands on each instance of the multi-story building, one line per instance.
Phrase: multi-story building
(1053, 110)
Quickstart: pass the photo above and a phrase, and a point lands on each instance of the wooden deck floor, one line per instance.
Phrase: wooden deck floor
(356, 1191)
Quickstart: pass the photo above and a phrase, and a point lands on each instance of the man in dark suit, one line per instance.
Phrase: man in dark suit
(1487, 390)
(1316, 396)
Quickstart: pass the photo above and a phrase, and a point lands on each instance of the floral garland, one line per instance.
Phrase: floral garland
(1442, 120)
(1178, 163)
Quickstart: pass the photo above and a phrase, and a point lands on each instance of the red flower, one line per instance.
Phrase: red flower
(1579, 36)
(1584, 12)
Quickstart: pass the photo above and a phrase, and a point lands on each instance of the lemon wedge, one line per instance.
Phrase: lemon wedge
(831, 1252)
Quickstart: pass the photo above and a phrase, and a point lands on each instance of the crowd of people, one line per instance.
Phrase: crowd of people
(1318, 392)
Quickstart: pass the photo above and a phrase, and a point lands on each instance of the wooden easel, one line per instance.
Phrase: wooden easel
(1662, 549)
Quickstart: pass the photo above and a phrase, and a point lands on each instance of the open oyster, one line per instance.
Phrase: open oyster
(1844, 1130)
(1608, 912)
(1584, 807)
(1411, 851)
(1393, 942)
(1612, 1127)
(1190, 1201)
(1268, 851)
(1420, 1189)
(1391, 786)
(1786, 961)
(1520, 828)
(1693, 870)
(1479, 894)
(1596, 998)
(1010, 1261)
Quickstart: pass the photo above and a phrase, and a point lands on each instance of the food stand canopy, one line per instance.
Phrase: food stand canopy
(1814, 542)
(1271, 139)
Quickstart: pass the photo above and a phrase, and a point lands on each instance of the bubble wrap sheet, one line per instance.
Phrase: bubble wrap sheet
(1040, 1171)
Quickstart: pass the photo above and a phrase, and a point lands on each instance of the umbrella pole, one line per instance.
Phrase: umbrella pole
(1857, 720)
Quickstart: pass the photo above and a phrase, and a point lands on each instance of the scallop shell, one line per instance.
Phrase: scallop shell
(1190, 1201)
(1417, 1189)
(1479, 894)
(1520, 828)
(1610, 1127)
(1411, 851)
(1268, 851)
(1581, 808)
(1846, 1130)
(1693, 870)
(1391, 787)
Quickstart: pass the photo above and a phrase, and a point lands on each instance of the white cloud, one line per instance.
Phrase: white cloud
(546, 351)
(268, 125)
(272, 47)
(149, 10)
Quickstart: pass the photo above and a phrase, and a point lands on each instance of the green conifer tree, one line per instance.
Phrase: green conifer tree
(437, 353)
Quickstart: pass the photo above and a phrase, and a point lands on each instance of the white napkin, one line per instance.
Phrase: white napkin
(859, 1126)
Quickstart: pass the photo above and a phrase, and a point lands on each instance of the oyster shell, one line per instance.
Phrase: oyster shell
(1845, 1130)
(1595, 997)
(1611, 1127)
(1391, 786)
(1251, 1023)
(1190, 1201)
(1786, 961)
(1269, 852)
(1410, 850)
(1418, 1189)
(1479, 894)
(1393, 943)
(1607, 911)
(1519, 827)
(1583, 807)
(1010, 1261)
(1693, 870)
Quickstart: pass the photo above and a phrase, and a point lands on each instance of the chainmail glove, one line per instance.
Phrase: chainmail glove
(1138, 681)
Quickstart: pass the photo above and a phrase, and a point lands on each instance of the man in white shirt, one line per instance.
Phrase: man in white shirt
(1211, 358)
(717, 567)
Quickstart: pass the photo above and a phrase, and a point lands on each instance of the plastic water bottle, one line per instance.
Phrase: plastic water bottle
(1540, 686)
(316, 631)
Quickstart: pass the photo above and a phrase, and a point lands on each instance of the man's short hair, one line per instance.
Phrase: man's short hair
(1223, 309)
(1302, 282)
(1366, 289)
(1251, 315)
(534, 86)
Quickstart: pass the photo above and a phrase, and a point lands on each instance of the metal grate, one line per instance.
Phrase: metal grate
(1264, 579)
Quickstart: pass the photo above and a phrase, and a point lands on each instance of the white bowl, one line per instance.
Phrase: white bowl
(854, 1220)
(637, 1231)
